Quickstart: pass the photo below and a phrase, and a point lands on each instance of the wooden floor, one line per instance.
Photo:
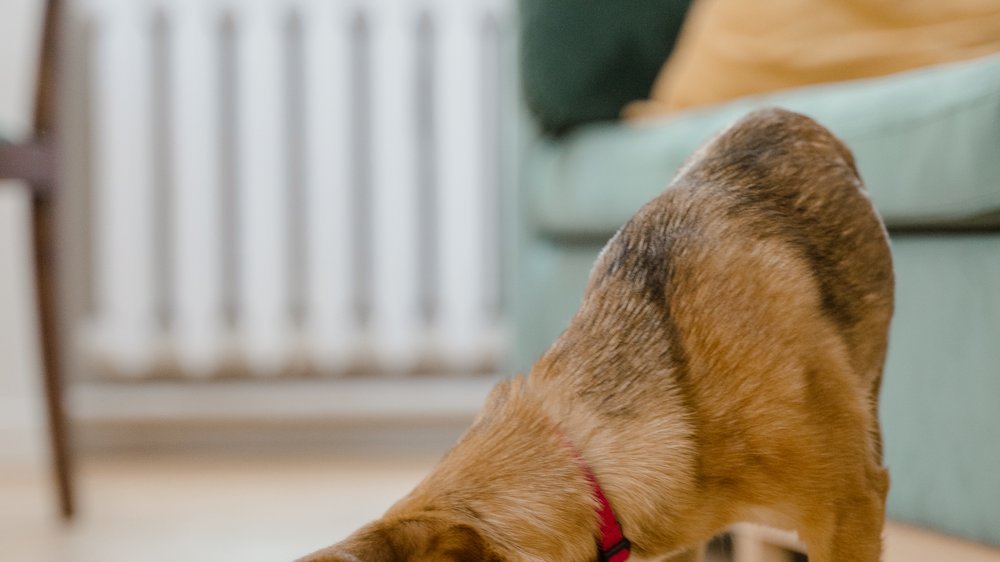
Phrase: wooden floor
(249, 506)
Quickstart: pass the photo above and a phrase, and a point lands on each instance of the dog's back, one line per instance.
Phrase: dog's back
(780, 176)
(775, 178)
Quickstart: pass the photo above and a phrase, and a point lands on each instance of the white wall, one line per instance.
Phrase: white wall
(22, 436)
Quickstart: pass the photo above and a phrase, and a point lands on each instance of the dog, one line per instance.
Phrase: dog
(724, 366)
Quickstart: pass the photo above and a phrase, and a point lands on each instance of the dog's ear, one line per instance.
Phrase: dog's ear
(417, 539)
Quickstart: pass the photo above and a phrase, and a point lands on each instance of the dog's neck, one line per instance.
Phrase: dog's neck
(612, 545)
(512, 477)
(642, 456)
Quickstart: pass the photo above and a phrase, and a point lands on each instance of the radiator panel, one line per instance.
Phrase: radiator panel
(285, 186)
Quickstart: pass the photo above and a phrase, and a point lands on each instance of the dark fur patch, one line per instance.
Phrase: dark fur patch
(759, 172)
(640, 257)
(777, 217)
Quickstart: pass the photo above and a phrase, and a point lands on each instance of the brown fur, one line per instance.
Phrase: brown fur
(724, 366)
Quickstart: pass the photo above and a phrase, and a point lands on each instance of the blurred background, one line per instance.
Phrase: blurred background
(278, 237)
(278, 251)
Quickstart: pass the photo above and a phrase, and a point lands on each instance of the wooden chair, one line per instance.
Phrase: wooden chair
(35, 163)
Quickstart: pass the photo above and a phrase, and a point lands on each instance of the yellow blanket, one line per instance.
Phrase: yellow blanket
(734, 48)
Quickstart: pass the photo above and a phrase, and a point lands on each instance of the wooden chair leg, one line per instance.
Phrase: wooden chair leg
(45, 255)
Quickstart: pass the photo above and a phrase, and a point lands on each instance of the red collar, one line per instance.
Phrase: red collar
(612, 546)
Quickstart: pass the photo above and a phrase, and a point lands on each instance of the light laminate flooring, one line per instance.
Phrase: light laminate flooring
(246, 506)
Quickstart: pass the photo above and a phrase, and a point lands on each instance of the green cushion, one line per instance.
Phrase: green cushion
(941, 391)
(927, 144)
(584, 60)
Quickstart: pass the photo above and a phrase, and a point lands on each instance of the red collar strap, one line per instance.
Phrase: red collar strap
(612, 546)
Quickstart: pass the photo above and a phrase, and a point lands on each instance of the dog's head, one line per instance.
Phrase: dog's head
(420, 538)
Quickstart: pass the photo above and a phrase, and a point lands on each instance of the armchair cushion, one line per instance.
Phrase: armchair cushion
(927, 143)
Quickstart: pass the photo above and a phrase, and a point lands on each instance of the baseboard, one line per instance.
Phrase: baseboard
(371, 414)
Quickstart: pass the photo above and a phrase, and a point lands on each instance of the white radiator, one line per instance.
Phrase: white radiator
(294, 186)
